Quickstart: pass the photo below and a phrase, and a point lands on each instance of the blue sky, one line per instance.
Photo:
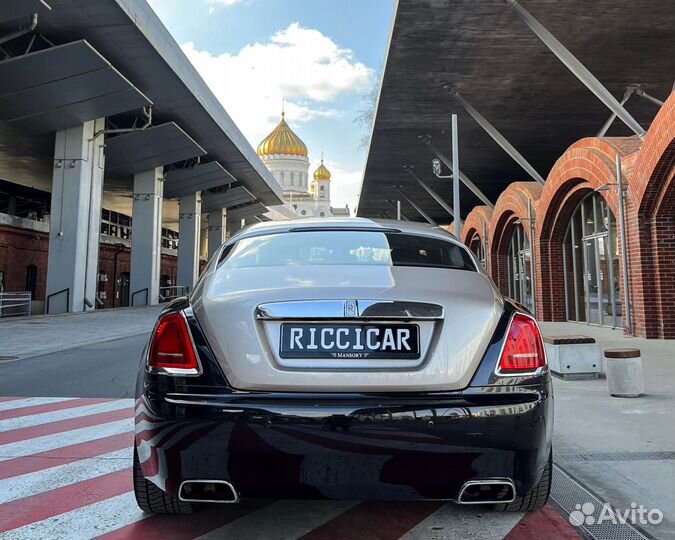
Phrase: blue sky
(321, 56)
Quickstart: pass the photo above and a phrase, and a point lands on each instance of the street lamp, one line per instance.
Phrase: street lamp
(624, 243)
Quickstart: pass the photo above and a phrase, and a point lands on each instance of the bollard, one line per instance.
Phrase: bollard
(624, 372)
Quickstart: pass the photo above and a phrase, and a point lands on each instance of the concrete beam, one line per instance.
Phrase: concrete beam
(146, 237)
(77, 187)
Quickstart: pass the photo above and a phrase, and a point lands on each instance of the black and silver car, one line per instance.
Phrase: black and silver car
(343, 358)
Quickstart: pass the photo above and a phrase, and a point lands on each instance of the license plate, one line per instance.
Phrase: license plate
(350, 341)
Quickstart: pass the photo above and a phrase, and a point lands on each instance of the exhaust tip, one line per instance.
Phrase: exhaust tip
(488, 491)
(208, 491)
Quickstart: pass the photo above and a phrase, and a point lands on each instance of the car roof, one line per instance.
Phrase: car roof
(411, 227)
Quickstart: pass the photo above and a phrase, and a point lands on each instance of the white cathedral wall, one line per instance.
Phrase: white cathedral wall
(292, 172)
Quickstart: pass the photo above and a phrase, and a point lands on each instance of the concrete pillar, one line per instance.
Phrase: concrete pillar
(190, 219)
(217, 228)
(146, 237)
(235, 225)
(75, 219)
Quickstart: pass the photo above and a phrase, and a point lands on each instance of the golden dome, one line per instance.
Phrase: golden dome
(282, 140)
(322, 173)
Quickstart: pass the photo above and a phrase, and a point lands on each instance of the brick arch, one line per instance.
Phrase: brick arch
(651, 227)
(475, 229)
(584, 167)
(511, 206)
(477, 222)
(656, 159)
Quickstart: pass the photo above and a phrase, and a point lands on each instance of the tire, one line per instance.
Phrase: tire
(536, 498)
(153, 500)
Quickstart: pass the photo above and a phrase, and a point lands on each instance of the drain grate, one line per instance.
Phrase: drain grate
(8, 358)
(568, 493)
(616, 456)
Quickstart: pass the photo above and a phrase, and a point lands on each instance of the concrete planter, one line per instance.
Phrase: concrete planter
(624, 372)
(573, 357)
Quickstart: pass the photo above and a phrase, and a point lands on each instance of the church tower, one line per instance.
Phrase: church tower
(285, 155)
(321, 183)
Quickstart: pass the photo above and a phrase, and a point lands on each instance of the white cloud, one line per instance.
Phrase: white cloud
(214, 4)
(299, 64)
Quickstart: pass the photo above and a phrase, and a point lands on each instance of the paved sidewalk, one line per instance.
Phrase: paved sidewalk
(621, 449)
(33, 336)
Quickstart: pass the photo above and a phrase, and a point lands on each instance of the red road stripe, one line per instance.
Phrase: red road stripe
(187, 527)
(375, 520)
(51, 407)
(58, 501)
(59, 426)
(66, 454)
(546, 523)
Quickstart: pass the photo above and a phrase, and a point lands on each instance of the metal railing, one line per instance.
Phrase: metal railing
(140, 291)
(49, 297)
(13, 304)
(166, 294)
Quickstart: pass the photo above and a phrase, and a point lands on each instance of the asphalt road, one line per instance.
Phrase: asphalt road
(106, 370)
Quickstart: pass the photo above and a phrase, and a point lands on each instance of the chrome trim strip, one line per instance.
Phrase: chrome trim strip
(344, 309)
(234, 491)
(488, 481)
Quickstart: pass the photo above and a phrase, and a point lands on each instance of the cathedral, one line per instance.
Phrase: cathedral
(286, 156)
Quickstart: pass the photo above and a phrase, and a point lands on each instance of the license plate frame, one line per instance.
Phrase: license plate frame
(292, 335)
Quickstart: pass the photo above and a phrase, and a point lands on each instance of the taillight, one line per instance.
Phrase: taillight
(524, 349)
(171, 346)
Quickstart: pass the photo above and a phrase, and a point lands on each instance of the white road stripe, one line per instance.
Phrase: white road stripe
(59, 476)
(65, 414)
(29, 402)
(455, 521)
(65, 438)
(282, 520)
(84, 523)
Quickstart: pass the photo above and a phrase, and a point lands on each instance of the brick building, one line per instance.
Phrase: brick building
(558, 248)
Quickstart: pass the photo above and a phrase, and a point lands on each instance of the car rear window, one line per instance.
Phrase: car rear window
(345, 247)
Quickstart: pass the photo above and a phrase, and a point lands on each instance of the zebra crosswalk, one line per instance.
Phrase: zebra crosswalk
(65, 473)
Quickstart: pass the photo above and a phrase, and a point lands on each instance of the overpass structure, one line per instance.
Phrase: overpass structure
(557, 104)
(110, 142)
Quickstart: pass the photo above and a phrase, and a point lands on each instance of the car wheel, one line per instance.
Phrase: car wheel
(537, 497)
(153, 500)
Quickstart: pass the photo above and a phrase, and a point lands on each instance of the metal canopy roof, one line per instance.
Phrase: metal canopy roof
(232, 197)
(62, 87)
(146, 149)
(247, 210)
(501, 68)
(187, 181)
(15, 9)
(132, 38)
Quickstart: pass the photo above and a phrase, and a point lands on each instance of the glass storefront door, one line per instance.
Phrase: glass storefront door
(519, 268)
(591, 262)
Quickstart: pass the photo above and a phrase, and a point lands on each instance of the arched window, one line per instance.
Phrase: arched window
(31, 279)
(591, 262)
(519, 268)
(477, 247)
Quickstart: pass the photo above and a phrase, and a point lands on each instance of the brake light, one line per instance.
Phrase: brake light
(171, 346)
(524, 348)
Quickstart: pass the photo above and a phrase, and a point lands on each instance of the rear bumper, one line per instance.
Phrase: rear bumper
(347, 447)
